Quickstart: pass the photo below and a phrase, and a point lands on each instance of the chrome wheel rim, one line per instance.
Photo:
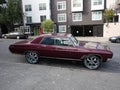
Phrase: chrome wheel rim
(32, 57)
(5, 37)
(18, 37)
(92, 62)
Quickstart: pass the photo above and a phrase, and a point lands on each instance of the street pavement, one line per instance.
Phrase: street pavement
(17, 74)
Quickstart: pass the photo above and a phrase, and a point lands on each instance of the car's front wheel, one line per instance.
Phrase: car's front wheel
(5, 37)
(18, 37)
(32, 57)
(92, 62)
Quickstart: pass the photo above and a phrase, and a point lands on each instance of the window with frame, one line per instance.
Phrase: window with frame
(77, 16)
(97, 2)
(76, 3)
(63, 42)
(61, 5)
(97, 15)
(29, 19)
(28, 8)
(62, 28)
(47, 41)
(42, 6)
(42, 18)
(62, 17)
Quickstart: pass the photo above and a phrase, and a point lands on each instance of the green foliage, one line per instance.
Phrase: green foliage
(47, 26)
(108, 14)
(2, 1)
(11, 13)
(14, 11)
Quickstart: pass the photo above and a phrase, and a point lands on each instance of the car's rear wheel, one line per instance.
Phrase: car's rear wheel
(18, 37)
(5, 37)
(32, 57)
(26, 37)
(92, 62)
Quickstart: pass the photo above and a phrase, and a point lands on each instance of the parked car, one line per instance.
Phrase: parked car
(0, 35)
(15, 35)
(115, 39)
(63, 46)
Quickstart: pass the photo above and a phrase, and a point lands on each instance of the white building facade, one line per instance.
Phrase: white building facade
(113, 28)
(35, 11)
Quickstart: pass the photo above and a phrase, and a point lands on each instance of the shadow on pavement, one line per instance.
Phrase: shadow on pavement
(110, 66)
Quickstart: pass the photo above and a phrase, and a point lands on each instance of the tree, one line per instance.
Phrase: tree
(2, 1)
(47, 26)
(11, 14)
(108, 14)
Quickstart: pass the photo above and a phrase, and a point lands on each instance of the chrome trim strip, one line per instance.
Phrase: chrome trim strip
(60, 58)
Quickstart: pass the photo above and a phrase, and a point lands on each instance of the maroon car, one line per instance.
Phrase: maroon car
(63, 46)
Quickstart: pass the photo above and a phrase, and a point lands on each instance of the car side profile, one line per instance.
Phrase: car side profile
(15, 35)
(63, 46)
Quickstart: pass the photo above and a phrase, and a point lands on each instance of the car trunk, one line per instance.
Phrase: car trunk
(22, 42)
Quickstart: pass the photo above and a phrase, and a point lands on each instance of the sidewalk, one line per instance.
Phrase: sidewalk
(96, 39)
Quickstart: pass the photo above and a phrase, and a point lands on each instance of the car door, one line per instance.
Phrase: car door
(12, 35)
(47, 47)
(65, 49)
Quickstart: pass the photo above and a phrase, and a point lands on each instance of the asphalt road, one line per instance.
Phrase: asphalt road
(16, 74)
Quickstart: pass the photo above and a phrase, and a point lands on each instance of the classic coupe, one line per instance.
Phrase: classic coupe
(63, 46)
(15, 35)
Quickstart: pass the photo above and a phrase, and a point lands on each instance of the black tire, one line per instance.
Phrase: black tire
(92, 62)
(18, 37)
(32, 57)
(5, 37)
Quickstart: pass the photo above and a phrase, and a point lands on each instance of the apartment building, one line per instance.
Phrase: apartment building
(113, 28)
(79, 17)
(35, 11)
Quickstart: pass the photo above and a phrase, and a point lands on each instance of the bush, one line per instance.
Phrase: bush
(47, 26)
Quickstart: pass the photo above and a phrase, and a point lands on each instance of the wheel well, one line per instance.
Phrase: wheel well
(31, 51)
(83, 57)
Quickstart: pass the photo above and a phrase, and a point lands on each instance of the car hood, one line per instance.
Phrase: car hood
(94, 45)
(22, 42)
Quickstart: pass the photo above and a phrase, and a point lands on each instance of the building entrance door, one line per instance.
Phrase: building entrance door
(88, 30)
(77, 31)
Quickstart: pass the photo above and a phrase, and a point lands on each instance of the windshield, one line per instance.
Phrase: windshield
(75, 41)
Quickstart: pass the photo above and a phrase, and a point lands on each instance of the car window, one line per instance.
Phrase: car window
(57, 41)
(75, 41)
(47, 41)
(62, 42)
(15, 33)
(66, 42)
